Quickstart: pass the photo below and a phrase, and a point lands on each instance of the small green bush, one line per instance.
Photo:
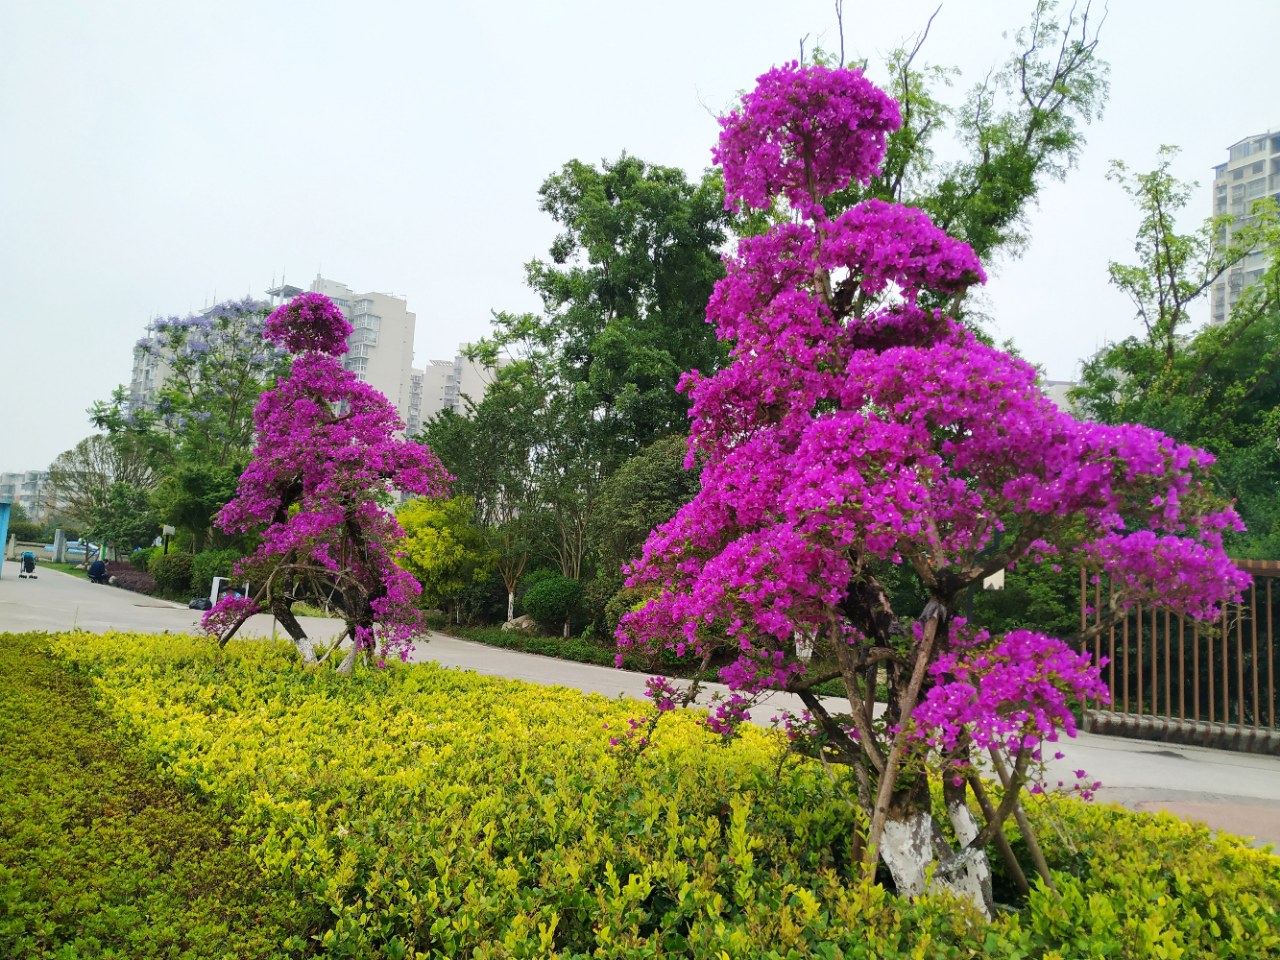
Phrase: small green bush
(26, 531)
(553, 601)
(209, 564)
(141, 559)
(172, 572)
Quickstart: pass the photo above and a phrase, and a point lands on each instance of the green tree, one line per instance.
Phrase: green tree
(443, 548)
(643, 493)
(81, 478)
(624, 291)
(1217, 386)
(525, 454)
(125, 518)
(490, 452)
(197, 431)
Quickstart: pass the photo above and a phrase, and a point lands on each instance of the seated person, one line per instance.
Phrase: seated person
(98, 572)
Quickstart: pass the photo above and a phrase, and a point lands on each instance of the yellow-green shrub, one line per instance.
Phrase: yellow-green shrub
(435, 813)
(100, 859)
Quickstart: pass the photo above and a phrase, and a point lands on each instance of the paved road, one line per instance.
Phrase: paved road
(1236, 792)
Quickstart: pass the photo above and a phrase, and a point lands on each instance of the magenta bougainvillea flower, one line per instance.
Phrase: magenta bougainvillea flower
(862, 435)
(310, 321)
(328, 454)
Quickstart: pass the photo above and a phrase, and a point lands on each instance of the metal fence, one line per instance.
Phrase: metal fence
(1164, 666)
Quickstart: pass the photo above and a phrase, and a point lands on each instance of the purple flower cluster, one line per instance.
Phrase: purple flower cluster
(852, 426)
(804, 132)
(229, 613)
(1013, 693)
(310, 321)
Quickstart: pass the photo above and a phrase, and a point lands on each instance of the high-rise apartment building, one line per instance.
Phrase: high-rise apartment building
(447, 383)
(1252, 171)
(380, 348)
(30, 488)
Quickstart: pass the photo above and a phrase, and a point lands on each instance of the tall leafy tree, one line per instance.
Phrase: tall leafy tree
(198, 428)
(624, 293)
(1216, 385)
(491, 452)
(81, 478)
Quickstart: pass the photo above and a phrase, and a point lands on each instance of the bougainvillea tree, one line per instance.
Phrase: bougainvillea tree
(325, 462)
(860, 433)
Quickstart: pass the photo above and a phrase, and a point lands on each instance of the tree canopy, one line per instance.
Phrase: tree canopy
(624, 293)
(324, 464)
(858, 430)
(1216, 385)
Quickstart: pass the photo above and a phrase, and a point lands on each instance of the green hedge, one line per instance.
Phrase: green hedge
(434, 813)
(553, 601)
(102, 859)
(576, 649)
(172, 572)
(209, 564)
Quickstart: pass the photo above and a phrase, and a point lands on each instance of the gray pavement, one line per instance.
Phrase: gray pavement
(1235, 792)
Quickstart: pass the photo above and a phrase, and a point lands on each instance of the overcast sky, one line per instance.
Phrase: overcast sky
(155, 156)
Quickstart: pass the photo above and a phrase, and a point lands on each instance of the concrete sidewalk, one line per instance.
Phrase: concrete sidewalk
(1234, 792)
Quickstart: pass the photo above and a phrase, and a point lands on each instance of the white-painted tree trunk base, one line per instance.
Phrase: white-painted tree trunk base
(908, 847)
(307, 651)
(973, 880)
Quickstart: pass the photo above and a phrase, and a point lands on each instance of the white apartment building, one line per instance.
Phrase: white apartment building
(30, 488)
(446, 384)
(1252, 171)
(380, 348)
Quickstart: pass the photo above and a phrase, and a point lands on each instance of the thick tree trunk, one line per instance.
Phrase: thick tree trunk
(349, 661)
(306, 649)
(919, 858)
(511, 605)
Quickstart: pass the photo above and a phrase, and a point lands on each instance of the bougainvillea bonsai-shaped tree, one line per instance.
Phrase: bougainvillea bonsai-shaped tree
(325, 462)
(860, 434)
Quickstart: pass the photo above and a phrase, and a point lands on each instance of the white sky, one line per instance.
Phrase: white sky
(156, 155)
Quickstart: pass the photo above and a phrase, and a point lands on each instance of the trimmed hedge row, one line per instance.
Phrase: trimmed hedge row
(577, 649)
(100, 858)
(434, 813)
